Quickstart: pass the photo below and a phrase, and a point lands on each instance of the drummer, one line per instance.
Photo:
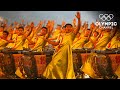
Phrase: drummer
(3, 40)
(19, 40)
(42, 36)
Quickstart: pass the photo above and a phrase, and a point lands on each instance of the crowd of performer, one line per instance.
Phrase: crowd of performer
(63, 38)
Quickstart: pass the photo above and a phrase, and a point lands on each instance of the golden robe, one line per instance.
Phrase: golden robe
(10, 45)
(114, 43)
(3, 43)
(1, 33)
(19, 43)
(39, 44)
(56, 33)
(103, 41)
(61, 66)
(90, 43)
(79, 43)
(87, 67)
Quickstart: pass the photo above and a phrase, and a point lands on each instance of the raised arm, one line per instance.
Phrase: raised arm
(79, 23)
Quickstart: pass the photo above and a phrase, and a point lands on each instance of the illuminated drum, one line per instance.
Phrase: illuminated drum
(41, 64)
(17, 60)
(29, 65)
(9, 65)
(115, 59)
(102, 66)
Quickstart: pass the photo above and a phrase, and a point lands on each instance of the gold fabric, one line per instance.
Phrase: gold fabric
(39, 44)
(103, 41)
(61, 66)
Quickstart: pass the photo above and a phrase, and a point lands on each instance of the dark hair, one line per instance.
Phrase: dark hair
(6, 32)
(63, 27)
(68, 24)
(59, 25)
(96, 32)
(45, 28)
(21, 28)
(2, 27)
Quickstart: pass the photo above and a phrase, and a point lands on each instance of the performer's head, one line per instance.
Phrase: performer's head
(43, 31)
(32, 24)
(5, 34)
(95, 33)
(1, 28)
(20, 31)
(68, 28)
(58, 27)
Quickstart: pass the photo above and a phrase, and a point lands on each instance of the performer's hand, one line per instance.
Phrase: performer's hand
(78, 15)
(74, 21)
(63, 23)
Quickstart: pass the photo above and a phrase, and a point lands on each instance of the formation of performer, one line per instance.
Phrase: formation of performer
(63, 38)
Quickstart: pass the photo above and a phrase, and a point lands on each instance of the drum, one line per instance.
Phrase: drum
(29, 65)
(102, 66)
(19, 65)
(40, 63)
(8, 64)
(77, 63)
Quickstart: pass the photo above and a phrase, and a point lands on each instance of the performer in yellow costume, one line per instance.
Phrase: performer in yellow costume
(61, 66)
(40, 43)
(81, 41)
(56, 32)
(29, 32)
(103, 40)
(92, 40)
(115, 41)
(1, 30)
(12, 39)
(3, 40)
(19, 40)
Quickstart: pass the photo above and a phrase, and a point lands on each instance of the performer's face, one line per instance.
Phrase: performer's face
(95, 34)
(5, 35)
(32, 24)
(58, 27)
(68, 28)
(20, 31)
(43, 31)
(1, 29)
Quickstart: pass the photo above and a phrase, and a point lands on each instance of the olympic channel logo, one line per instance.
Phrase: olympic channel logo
(106, 17)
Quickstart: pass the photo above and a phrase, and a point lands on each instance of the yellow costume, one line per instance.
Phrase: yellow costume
(114, 43)
(10, 45)
(26, 43)
(103, 41)
(56, 33)
(90, 43)
(80, 42)
(1, 33)
(3, 43)
(87, 66)
(39, 44)
(61, 66)
(19, 74)
(19, 43)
